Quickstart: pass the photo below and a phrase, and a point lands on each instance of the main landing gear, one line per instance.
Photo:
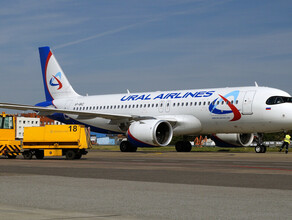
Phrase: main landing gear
(126, 146)
(183, 146)
(260, 148)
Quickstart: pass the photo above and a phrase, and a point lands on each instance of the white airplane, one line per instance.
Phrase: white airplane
(153, 118)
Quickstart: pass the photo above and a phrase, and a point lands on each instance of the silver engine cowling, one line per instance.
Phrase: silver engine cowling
(233, 140)
(150, 132)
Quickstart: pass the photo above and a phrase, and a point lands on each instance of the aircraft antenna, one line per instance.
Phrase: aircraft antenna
(128, 91)
(256, 85)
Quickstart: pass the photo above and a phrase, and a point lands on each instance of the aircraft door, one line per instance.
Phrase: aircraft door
(247, 103)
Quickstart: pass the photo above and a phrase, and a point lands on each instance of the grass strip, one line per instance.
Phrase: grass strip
(194, 149)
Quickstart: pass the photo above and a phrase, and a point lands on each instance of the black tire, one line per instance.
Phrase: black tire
(257, 149)
(39, 154)
(179, 146)
(27, 155)
(183, 146)
(133, 148)
(260, 149)
(78, 156)
(70, 155)
(126, 146)
(187, 146)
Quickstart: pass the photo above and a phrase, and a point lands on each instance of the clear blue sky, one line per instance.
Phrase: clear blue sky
(109, 46)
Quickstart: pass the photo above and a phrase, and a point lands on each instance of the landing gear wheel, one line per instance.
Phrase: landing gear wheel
(183, 146)
(70, 155)
(27, 155)
(126, 146)
(179, 146)
(260, 149)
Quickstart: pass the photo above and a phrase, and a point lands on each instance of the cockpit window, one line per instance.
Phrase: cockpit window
(274, 100)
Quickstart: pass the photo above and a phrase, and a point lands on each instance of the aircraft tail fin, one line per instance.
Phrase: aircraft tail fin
(55, 81)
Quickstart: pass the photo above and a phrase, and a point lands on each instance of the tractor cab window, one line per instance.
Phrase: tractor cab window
(6, 122)
(274, 100)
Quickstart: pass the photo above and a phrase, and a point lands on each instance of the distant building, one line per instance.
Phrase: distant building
(43, 120)
(31, 120)
(22, 122)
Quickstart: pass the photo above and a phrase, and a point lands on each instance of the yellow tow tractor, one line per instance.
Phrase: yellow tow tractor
(71, 141)
(9, 146)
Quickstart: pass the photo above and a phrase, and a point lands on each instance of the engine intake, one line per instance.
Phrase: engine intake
(150, 132)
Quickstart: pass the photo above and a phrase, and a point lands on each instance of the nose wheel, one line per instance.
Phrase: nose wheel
(260, 149)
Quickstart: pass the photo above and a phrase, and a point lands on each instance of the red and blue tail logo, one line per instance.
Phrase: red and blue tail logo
(216, 106)
(56, 80)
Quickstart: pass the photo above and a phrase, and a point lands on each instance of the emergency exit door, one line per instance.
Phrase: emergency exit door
(247, 103)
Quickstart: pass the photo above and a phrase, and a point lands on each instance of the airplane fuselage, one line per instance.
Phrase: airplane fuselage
(220, 110)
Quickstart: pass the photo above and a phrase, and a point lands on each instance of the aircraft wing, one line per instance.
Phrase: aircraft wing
(80, 114)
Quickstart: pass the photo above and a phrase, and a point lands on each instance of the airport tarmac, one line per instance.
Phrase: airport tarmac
(148, 185)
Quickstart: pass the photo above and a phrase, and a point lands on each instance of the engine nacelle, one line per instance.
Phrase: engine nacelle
(150, 132)
(233, 140)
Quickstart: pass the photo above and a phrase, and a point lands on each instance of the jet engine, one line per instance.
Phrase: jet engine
(233, 140)
(150, 132)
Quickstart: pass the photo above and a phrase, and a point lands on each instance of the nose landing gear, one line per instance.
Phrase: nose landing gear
(260, 148)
